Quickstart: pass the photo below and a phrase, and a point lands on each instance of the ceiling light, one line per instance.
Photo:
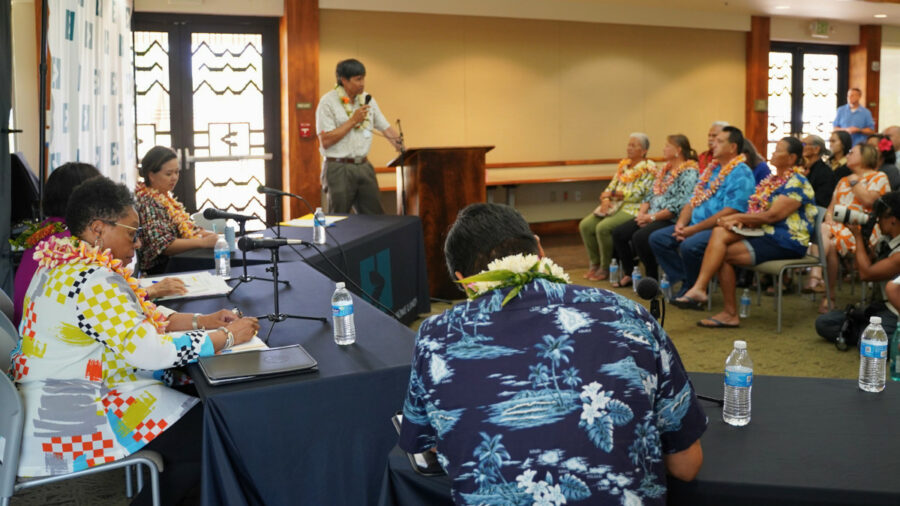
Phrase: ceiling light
(880, 16)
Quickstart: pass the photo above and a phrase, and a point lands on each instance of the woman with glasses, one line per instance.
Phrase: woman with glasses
(95, 352)
(56, 197)
(168, 229)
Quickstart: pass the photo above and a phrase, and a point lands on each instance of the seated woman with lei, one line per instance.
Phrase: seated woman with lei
(783, 207)
(94, 352)
(858, 191)
(673, 186)
(839, 143)
(167, 227)
(619, 203)
(56, 197)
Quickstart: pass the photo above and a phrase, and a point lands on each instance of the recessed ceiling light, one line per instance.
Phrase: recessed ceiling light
(881, 15)
(782, 7)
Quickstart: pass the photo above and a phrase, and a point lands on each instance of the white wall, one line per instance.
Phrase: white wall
(25, 79)
(889, 110)
(218, 7)
(797, 30)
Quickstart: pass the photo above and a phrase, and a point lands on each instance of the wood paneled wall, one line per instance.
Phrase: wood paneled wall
(756, 121)
(862, 76)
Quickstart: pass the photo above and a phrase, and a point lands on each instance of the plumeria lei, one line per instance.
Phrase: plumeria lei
(348, 107)
(702, 192)
(186, 228)
(515, 271)
(65, 250)
(760, 201)
(627, 175)
(667, 176)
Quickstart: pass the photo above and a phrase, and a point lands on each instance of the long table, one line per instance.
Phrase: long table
(315, 438)
(385, 255)
(810, 441)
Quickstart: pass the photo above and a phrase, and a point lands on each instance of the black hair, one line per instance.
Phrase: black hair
(795, 147)
(348, 69)
(483, 233)
(153, 161)
(753, 156)
(61, 183)
(846, 143)
(98, 198)
(735, 136)
(887, 204)
(681, 141)
(888, 156)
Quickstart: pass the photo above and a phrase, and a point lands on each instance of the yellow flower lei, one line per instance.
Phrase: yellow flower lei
(186, 228)
(701, 195)
(759, 201)
(666, 176)
(623, 175)
(65, 250)
(345, 101)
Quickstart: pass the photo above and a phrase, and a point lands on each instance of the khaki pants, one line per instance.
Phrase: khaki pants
(350, 185)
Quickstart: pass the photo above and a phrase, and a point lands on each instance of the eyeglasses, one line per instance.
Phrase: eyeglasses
(137, 230)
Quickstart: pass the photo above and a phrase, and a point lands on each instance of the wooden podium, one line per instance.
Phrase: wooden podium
(435, 184)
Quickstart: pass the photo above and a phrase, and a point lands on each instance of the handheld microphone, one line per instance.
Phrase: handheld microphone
(368, 98)
(251, 243)
(648, 289)
(215, 214)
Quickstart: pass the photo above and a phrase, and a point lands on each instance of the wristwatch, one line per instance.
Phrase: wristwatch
(195, 321)
(853, 182)
(653, 217)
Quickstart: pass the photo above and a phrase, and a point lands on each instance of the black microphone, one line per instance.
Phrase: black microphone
(273, 191)
(368, 99)
(215, 214)
(648, 289)
(251, 243)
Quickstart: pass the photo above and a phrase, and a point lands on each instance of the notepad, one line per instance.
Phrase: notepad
(253, 364)
(307, 221)
(198, 284)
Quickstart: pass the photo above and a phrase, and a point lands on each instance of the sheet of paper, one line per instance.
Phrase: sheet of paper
(198, 284)
(307, 221)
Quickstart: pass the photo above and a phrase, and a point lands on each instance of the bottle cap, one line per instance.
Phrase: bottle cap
(875, 319)
(339, 285)
(740, 345)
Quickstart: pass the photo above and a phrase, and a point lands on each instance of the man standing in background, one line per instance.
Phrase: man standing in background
(345, 119)
(854, 119)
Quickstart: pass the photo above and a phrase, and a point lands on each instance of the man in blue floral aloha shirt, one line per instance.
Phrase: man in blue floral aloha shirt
(539, 392)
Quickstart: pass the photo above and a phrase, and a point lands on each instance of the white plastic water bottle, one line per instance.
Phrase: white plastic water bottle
(342, 313)
(635, 277)
(614, 271)
(738, 385)
(319, 226)
(745, 303)
(222, 257)
(666, 287)
(872, 356)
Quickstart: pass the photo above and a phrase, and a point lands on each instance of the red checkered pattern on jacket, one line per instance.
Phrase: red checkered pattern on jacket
(20, 367)
(149, 429)
(92, 446)
(29, 321)
(114, 400)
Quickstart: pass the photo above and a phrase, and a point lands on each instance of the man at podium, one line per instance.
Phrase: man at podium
(345, 119)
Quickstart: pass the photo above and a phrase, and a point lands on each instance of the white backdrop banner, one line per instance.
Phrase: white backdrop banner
(92, 86)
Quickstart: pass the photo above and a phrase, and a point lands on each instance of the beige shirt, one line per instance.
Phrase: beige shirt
(331, 114)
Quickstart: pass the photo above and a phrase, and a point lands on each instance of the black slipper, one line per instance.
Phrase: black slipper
(716, 324)
(690, 303)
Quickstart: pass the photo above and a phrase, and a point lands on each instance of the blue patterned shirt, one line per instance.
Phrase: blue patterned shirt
(676, 195)
(734, 192)
(794, 232)
(567, 394)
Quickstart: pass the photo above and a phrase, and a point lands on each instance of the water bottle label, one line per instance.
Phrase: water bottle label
(873, 350)
(738, 379)
(223, 254)
(342, 310)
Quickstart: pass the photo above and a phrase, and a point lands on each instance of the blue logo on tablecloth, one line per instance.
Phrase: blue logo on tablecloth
(375, 277)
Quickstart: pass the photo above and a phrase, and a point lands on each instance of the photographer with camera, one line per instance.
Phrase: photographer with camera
(849, 323)
(858, 192)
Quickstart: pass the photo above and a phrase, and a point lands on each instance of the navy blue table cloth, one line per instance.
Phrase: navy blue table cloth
(314, 438)
(385, 255)
(811, 441)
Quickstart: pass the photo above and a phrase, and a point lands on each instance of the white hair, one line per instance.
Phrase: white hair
(642, 137)
(720, 124)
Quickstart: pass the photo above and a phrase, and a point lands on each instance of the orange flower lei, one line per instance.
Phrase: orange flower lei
(186, 228)
(760, 201)
(666, 176)
(345, 101)
(66, 250)
(701, 195)
(624, 175)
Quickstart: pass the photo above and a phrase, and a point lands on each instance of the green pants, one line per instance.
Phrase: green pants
(349, 185)
(597, 236)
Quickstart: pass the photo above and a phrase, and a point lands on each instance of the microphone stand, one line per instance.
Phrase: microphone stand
(246, 278)
(277, 315)
(402, 199)
(655, 311)
(278, 217)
